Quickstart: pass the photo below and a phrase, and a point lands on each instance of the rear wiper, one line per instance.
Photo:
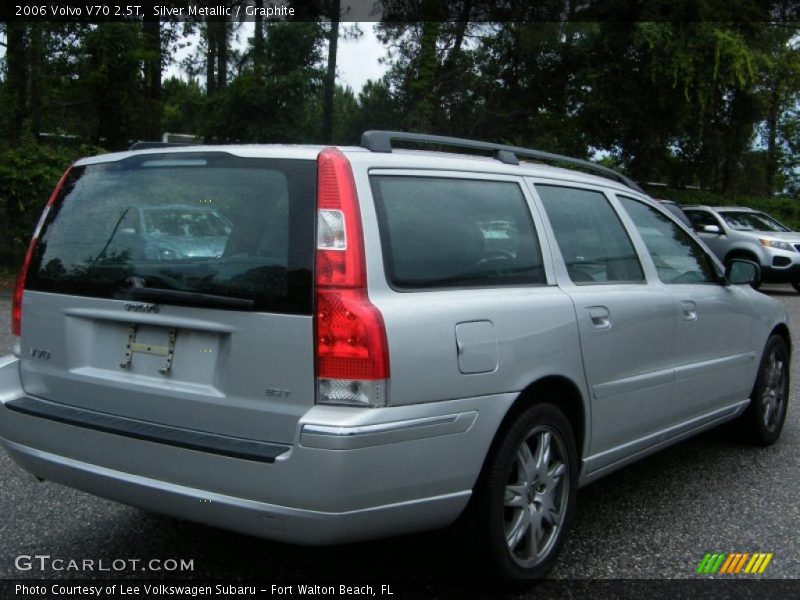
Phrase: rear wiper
(194, 298)
(111, 237)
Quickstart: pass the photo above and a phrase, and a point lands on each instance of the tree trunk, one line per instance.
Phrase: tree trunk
(222, 55)
(211, 60)
(258, 44)
(421, 88)
(17, 65)
(152, 69)
(330, 78)
(772, 134)
(36, 61)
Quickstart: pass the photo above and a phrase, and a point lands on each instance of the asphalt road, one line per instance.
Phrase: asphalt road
(654, 519)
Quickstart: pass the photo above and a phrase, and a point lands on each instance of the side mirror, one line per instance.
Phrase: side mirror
(711, 229)
(739, 272)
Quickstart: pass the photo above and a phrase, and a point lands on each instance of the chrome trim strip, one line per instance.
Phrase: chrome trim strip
(377, 427)
(715, 364)
(632, 384)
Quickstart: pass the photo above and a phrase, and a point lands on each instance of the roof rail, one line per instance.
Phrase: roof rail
(149, 145)
(381, 141)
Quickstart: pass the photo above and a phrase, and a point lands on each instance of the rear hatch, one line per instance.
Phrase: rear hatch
(176, 288)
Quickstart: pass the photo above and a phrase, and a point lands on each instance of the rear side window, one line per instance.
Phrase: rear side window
(595, 246)
(438, 232)
(206, 229)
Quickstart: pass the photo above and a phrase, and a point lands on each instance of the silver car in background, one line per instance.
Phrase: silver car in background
(743, 233)
(387, 341)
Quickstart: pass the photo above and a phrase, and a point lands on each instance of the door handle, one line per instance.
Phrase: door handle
(600, 316)
(689, 310)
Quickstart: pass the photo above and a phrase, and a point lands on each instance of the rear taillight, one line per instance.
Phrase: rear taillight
(352, 353)
(19, 287)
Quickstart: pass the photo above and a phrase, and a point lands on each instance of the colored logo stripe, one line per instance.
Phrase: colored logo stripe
(734, 563)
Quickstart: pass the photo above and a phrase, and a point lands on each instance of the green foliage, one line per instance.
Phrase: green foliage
(273, 103)
(705, 93)
(184, 103)
(28, 174)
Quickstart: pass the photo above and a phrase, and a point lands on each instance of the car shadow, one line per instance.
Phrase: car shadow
(441, 560)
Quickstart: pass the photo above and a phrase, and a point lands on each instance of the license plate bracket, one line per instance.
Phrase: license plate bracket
(133, 347)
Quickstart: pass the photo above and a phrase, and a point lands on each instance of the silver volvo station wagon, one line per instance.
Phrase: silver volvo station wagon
(385, 341)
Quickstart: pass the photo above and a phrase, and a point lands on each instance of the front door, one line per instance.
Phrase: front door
(712, 342)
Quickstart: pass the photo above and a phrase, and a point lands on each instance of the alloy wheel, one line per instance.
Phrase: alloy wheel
(536, 496)
(773, 394)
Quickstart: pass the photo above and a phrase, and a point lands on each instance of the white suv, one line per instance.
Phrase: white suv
(736, 232)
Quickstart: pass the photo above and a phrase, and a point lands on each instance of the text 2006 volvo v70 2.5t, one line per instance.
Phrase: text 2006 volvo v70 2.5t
(386, 340)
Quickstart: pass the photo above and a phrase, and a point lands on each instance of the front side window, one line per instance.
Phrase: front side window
(677, 257)
(438, 232)
(592, 240)
(701, 218)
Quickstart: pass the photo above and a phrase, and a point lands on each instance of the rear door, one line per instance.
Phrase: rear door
(626, 323)
(177, 288)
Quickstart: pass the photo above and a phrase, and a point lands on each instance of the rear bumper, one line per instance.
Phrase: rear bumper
(352, 474)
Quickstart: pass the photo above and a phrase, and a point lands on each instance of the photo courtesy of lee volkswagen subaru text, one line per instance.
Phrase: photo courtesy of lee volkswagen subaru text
(327, 344)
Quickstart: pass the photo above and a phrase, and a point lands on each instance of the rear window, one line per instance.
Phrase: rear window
(202, 229)
(438, 232)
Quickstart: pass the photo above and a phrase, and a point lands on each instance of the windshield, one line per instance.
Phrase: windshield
(212, 229)
(751, 221)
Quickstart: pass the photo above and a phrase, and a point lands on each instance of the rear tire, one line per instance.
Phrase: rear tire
(762, 421)
(796, 286)
(525, 498)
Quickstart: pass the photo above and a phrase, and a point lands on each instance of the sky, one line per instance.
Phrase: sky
(356, 61)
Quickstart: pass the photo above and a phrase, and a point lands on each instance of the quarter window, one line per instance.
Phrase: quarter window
(677, 257)
(439, 232)
(592, 240)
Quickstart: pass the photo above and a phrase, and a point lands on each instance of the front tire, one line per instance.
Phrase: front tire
(762, 421)
(796, 286)
(525, 498)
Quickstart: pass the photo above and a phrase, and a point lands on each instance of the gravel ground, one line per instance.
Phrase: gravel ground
(654, 519)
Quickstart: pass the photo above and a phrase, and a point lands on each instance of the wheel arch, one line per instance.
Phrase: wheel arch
(560, 391)
(740, 252)
(782, 330)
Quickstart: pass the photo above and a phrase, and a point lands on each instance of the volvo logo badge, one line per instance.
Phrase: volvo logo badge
(142, 308)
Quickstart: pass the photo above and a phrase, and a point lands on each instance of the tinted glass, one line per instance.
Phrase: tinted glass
(456, 232)
(205, 223)
(701, 218)
(592, 240)
(677, 257)
(676, 212)
(751, 221)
